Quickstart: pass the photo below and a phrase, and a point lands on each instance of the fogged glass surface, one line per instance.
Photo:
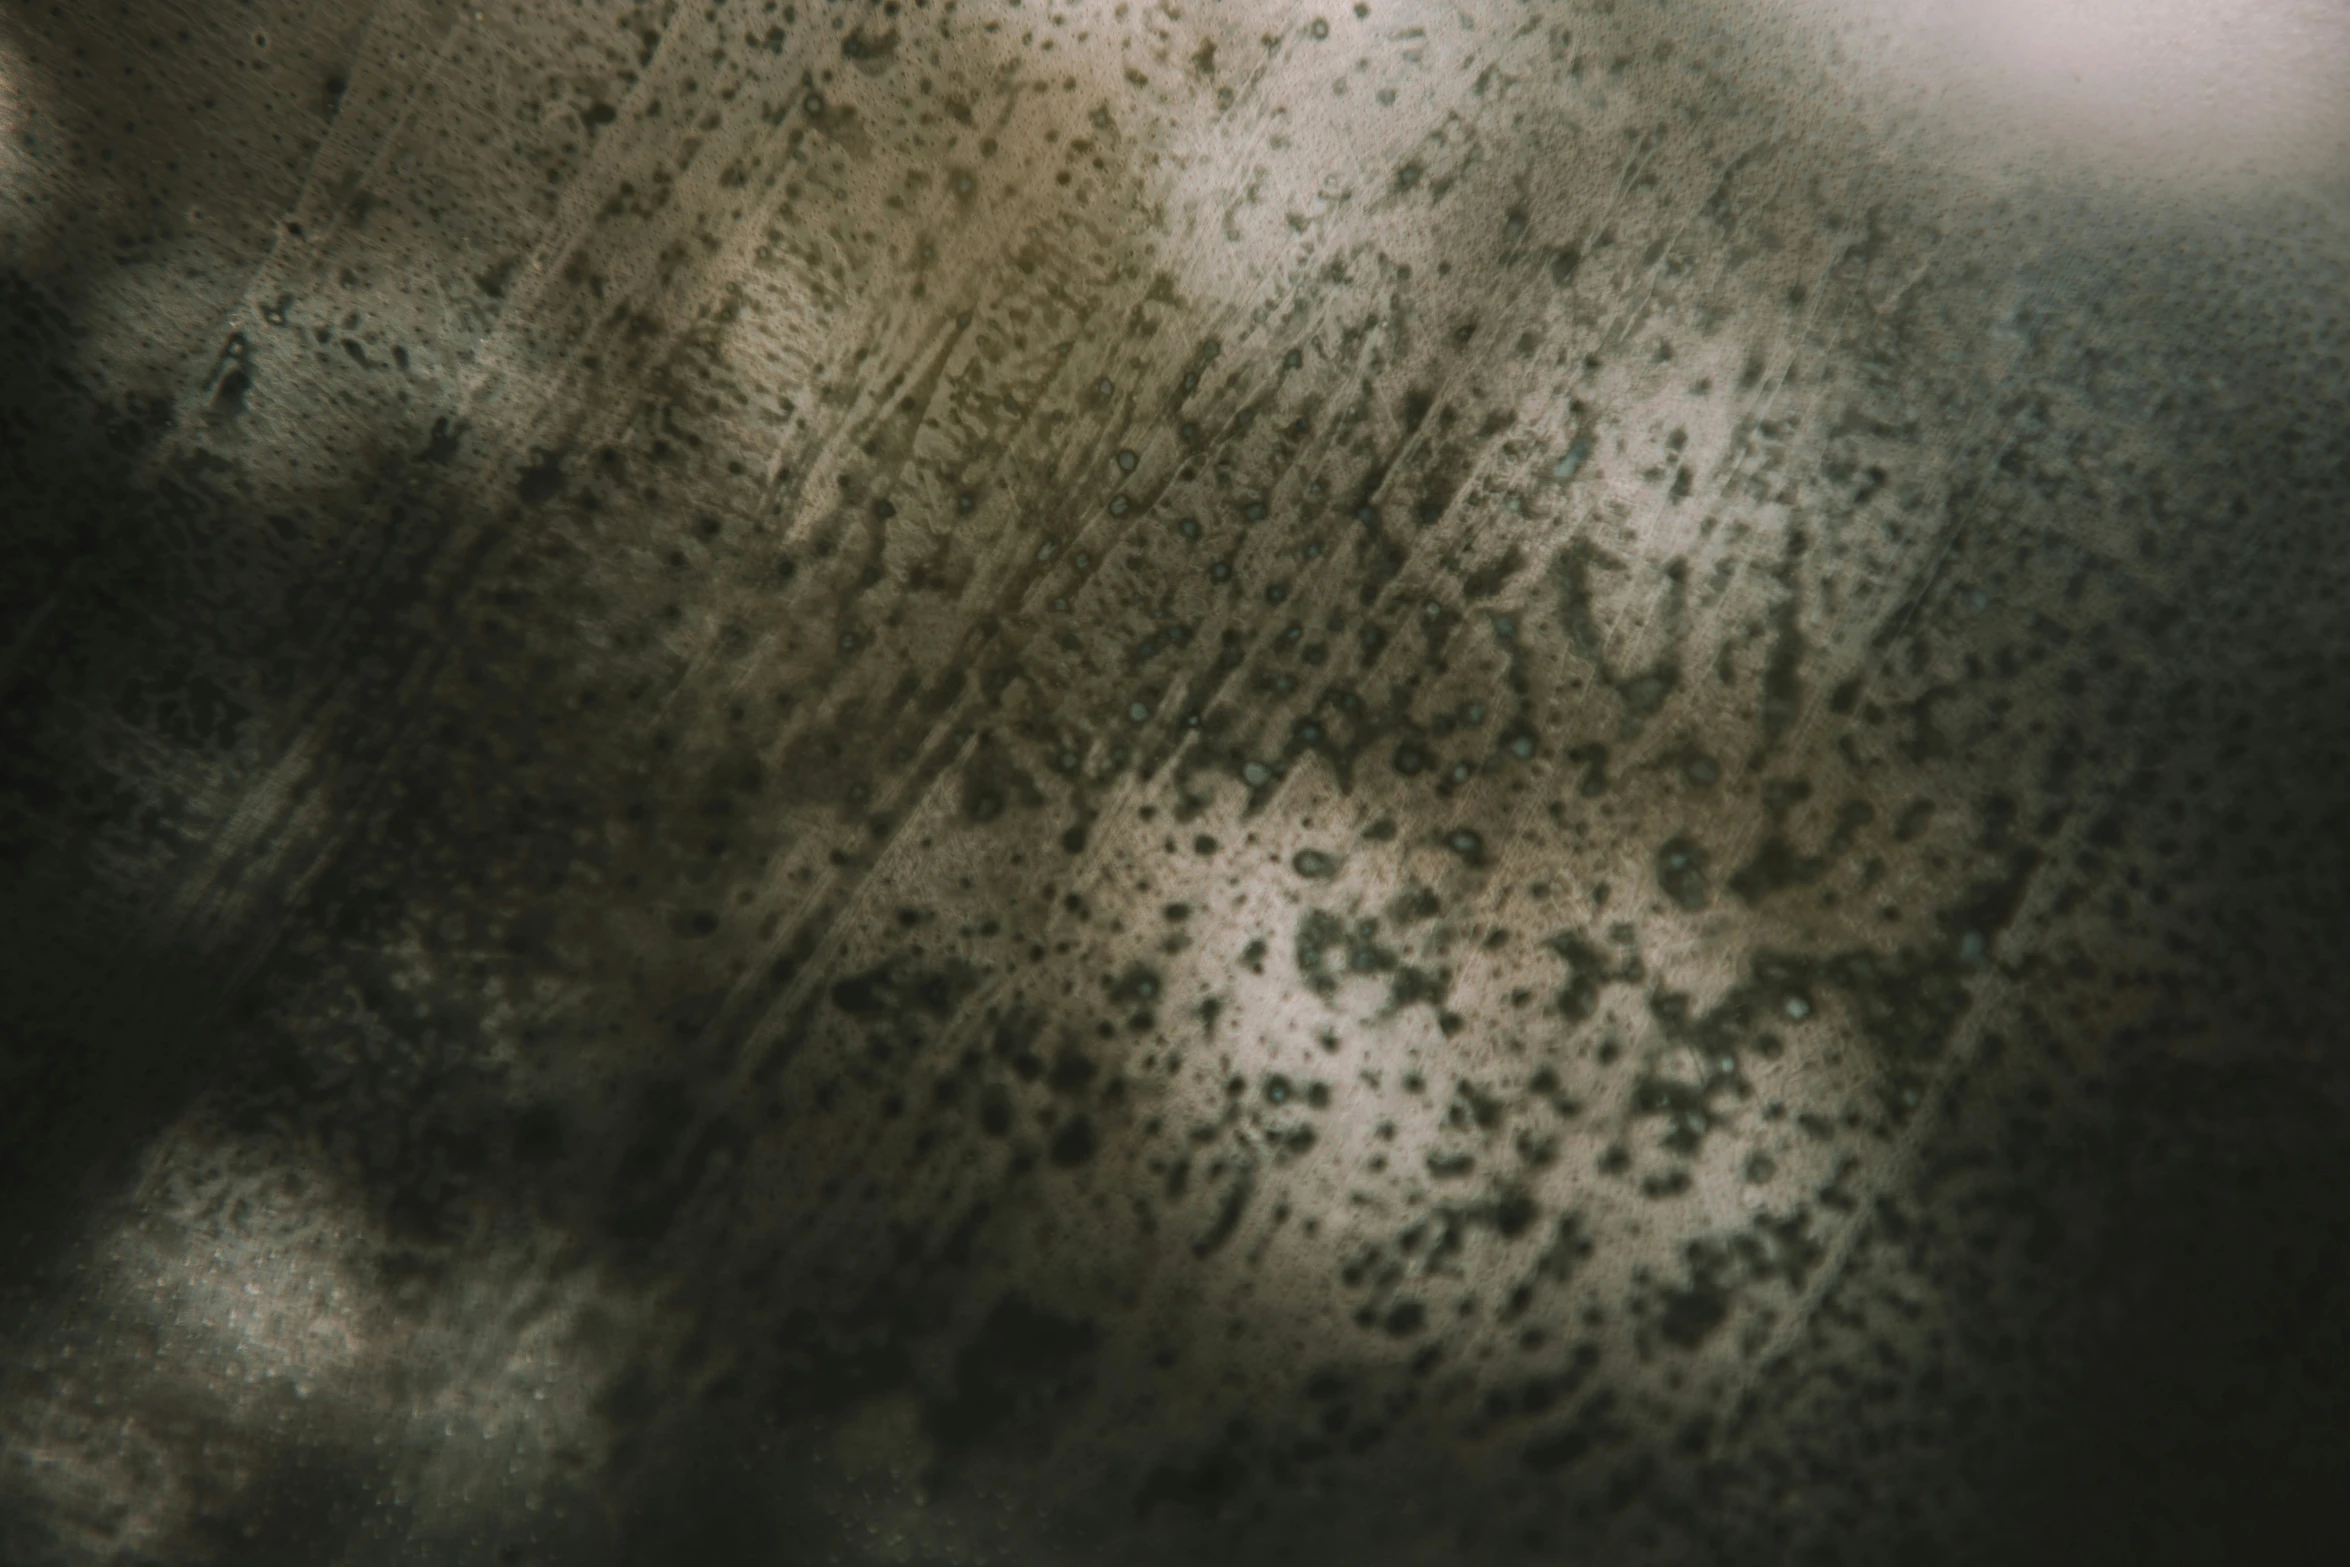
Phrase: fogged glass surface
(1216, 782)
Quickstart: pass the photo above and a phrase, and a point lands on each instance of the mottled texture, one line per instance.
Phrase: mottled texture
(1214, 783)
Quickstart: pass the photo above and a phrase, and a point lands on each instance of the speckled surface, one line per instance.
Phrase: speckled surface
(1205, 783)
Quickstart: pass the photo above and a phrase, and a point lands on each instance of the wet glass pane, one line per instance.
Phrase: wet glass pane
(982, 782)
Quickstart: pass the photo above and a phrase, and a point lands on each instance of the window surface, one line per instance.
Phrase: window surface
(975, 781)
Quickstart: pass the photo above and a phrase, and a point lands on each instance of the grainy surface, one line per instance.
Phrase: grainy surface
(1067, 784)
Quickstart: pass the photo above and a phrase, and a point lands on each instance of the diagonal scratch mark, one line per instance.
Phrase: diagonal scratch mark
(345, 121)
